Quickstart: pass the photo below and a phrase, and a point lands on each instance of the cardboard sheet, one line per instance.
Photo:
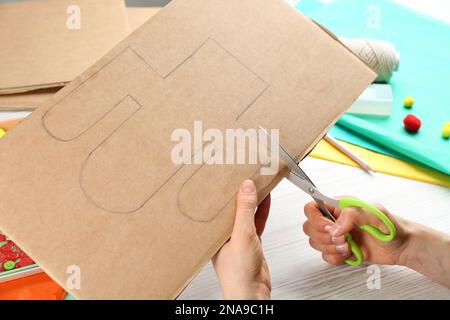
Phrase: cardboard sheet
(102, 192)
(47, 43)
(25, 101)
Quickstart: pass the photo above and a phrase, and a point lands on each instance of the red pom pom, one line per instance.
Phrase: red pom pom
(412, 123)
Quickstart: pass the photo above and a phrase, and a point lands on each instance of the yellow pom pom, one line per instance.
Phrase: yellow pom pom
(2, 133)
(408, 102)
(446, 130)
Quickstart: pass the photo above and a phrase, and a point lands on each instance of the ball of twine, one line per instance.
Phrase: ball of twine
(380, 55)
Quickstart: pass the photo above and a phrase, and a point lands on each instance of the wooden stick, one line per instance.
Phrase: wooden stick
(10, 123)
(364, 165)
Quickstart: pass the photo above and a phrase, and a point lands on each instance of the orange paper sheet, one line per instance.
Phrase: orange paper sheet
(36, 287)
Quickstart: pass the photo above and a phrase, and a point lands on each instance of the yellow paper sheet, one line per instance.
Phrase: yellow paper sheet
(381, 163)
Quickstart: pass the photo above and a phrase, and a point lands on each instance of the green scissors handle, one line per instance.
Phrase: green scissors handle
(299, 178)
(373, 231)
(302, 181)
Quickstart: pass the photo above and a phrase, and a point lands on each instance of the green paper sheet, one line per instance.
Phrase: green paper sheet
(424, 45)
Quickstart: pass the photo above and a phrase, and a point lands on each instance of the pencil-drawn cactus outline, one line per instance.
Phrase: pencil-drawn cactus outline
(137, 207)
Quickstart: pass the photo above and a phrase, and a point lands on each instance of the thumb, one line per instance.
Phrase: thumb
(247, 201)
(347, 220)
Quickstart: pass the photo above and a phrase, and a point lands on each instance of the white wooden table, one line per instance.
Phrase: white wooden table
(298, 271)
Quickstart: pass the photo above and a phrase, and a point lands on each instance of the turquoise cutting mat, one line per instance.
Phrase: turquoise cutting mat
(424, 45)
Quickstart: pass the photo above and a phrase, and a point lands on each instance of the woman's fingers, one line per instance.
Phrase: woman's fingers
(245, 213)
(341, 249)
(315, 217)
(334, 259)
(318, 228)
(349, 219)
(315, 234)
(262, 213)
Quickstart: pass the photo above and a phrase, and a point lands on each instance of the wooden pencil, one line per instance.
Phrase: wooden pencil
(364, 165)
(9, 124)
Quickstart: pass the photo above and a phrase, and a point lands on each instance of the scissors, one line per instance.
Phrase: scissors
(299, 178)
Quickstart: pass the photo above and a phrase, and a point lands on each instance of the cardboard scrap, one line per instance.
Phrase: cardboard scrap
(101, 190)
(25, 101)
(47, 43)
(31, 100)
(137, 16)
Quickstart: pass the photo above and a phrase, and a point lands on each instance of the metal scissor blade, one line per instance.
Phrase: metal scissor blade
(287, 159)
(318, 196)
(300, 178)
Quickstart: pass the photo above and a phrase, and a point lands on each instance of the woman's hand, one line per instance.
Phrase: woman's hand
(329, 238)
(240, 264)
(415, 246)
